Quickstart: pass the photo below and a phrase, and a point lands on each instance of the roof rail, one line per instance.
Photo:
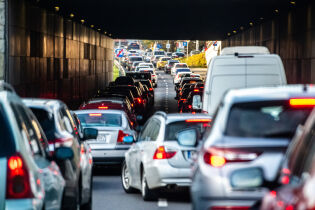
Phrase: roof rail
(161, 113)
(6, 86)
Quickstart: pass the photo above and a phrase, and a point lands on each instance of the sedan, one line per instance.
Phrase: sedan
(112, 125)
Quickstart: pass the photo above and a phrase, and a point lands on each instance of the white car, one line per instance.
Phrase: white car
(150, 65)
(162, 155)
(179, 76)
(176, 66)
(153, 75)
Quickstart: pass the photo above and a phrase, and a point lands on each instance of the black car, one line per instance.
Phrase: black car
(170, 65)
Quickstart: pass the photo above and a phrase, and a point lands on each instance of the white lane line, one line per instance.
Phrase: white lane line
(162, 203)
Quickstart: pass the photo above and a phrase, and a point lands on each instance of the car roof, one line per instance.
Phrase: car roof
(42, 103)
(183, 116)
(270, 93)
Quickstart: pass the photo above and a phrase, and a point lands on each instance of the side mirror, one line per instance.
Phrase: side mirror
(63, 153)
(128, 139)
(187, 137)
(197, 103)
(249, 178)
(90, 133)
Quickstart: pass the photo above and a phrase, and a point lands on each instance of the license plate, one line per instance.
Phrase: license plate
(189, 154)
(102, 138)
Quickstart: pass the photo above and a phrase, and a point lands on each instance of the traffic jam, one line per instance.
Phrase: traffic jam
(239, 137)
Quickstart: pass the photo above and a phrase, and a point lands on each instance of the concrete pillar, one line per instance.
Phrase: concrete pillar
(2, 38)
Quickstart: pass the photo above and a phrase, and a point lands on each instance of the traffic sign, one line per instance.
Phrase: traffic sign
(185, 44)
(168, 46)
(159, 46)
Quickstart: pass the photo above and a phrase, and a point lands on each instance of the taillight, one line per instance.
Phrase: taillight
(230, 208)
(121, 135)
(218, 157)
(62, 142)
(151, 89)
(138, 100)
(196, 90)
(198, 120)
(18, 179)
(302, 102)
(161, 153)
(189, 106)
(103, 107)
(95, 115)
(82, 149)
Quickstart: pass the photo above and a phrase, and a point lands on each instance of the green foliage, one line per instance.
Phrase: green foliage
(198, 61)
(115, 72)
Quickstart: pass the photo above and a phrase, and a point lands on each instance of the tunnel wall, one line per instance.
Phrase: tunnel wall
(292, 36)
(55, 57)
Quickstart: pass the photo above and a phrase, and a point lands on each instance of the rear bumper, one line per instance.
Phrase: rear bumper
(108, 156)
(207, 203)
(25, 204)
(161, 174)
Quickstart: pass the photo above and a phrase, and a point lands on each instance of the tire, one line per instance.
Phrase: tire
(88, 205)
(147, 194)
(126, 180)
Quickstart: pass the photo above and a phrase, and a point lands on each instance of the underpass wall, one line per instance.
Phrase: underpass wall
(291, 35)
(55, 57)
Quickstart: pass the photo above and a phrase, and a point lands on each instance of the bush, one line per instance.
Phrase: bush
(195, 60)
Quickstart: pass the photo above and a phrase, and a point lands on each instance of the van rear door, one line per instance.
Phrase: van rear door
(228, 73)
(264, 70)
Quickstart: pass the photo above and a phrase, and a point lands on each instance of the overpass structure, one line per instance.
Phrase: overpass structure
(64, 48)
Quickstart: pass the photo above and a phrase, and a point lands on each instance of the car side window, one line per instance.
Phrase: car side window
(145, 132)
(29, 133)
(155, 129)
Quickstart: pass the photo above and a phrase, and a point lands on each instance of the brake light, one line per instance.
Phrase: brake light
(218, 157)
(230, 208)
(198, 120)
(189, 106)
(138, 100)
(121, 135)
(103, 107)
(82, 149)
(18, 179)
(196, 90)
(302, 102)
(151, 89)
(161, 153)
(61, 142)
(95, 115)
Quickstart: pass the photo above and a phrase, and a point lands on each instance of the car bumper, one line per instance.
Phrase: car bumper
(161, 174)
(108, 156)
(25, 204)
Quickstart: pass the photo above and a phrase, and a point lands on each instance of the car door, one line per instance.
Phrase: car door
(135, 155)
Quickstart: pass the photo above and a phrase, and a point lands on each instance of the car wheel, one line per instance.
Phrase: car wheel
(88, 205)
(125, 179)
(147, 194)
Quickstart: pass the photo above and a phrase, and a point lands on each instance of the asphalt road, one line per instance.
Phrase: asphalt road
(107, 186)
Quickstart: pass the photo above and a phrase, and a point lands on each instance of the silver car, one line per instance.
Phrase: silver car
(29, 178)
(252, 128)
(113, 126)
(161, 156)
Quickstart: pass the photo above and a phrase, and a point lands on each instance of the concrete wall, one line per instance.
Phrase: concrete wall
(54, 57)
(2, 37)
(292, 36)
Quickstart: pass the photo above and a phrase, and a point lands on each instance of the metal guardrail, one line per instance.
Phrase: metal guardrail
(122, 71)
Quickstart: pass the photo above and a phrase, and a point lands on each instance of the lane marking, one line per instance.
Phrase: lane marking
(162, 203)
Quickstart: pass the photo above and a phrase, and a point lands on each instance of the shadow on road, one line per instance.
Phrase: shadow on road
(107, 171)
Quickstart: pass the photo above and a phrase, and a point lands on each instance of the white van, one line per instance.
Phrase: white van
(240, 67)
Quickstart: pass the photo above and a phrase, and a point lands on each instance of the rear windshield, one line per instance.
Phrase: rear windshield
(7, 143)
(100, 120)
(140, 75)
(173, 128)
(268, 119)
(144, 70)
(181, 66)
(136, 59)
(47, 122)
(183, 70)
(159, 53)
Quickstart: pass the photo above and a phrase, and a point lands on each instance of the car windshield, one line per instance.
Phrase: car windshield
(268, 119)
(146, 70)
(159, 53)
(173, 128)
(7, 143)
(100, 120)
(47, 122)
